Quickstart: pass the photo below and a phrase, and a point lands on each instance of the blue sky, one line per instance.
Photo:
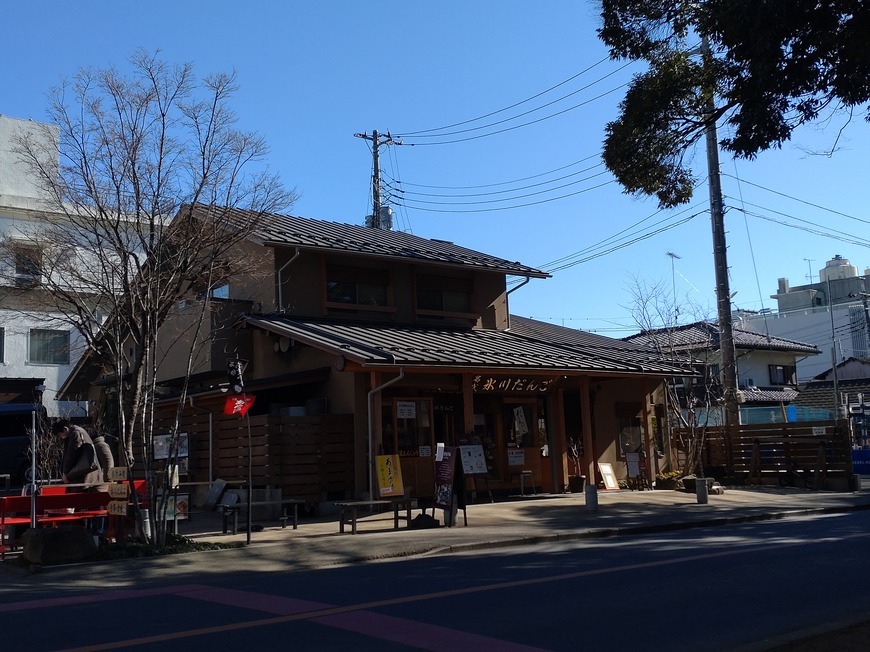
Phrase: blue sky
(529, 188)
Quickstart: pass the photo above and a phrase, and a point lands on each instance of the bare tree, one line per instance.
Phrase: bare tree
(690, 400)
(152, 187)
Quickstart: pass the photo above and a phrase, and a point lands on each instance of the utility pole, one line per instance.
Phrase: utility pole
(377, 140)
(720, 259)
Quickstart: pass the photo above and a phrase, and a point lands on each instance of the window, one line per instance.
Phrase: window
(221, 291)
(413, 425)
(630, 427)
(782, 374)
(28, 264)
(2, 344)
(443, 294)
(48, 346)
(362, 287)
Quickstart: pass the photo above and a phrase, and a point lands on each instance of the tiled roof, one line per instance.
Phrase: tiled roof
(820, 393)
(705, 335)
(306, 233)
(756, 395)
(519, 349)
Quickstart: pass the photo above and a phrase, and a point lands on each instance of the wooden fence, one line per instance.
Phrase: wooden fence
(311, 458)
(769, 453)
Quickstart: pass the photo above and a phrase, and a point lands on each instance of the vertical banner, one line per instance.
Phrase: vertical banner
(444, 470)
(389, 476)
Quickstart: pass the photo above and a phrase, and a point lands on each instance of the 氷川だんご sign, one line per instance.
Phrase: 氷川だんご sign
(526, 384)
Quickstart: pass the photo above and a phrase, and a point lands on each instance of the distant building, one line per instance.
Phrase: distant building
(832, 314)
(37, 349)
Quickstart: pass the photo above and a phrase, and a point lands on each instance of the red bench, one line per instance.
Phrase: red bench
(51, 510)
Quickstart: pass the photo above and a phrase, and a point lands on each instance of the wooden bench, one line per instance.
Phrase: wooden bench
(233, 509)
(352, 507)
(51, 510)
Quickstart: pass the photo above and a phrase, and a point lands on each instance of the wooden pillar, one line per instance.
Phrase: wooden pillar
(586, 417)
(558, 442)
(467, 404)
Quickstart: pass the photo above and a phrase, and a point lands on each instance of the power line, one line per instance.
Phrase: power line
(505, 208)
(525, 124)
(503, 183)
(512, 106)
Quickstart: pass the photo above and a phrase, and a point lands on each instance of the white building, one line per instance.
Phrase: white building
(833, 314)
(34, 344)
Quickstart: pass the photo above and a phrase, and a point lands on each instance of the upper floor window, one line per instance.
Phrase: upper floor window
(28, 264)
(782, 374)
(48, 346)
(355, 286)
(443, 294)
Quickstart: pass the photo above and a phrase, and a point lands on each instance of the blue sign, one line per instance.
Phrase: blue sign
(861, 461)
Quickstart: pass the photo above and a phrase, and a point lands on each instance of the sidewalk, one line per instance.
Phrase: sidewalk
(520, 520)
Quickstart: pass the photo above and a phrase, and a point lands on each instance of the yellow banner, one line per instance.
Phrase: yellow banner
(389, 476)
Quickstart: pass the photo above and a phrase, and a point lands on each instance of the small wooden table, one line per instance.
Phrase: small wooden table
(352, 507)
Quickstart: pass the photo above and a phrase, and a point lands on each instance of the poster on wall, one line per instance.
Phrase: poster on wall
(163, 446)
(389, 476)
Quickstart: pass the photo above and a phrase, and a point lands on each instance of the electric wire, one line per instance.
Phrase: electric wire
(520, 126)
(530, 111)
(506, 208)
(501, 183)
(512, 106)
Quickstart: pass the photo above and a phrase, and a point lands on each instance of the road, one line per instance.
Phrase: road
(741, 587)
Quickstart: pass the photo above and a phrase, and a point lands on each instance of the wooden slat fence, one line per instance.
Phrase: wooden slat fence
(311, 458)
(763, 452)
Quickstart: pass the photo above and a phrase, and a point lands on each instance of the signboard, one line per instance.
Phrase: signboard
(406, 409)
(607, 474)
(520, 384)
(632, 461)
(117, 508)
(181, 506)
(473, 460)
(516, 456)
(444, 471)
(119, 491)
(861, 461)
(389, 476)
(117, 474)
(163, 446)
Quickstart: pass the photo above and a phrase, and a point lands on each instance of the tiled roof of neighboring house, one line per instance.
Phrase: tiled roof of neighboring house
(306, 233)
(820, 393)
(777, 395)
(704, 335)
(414, 346)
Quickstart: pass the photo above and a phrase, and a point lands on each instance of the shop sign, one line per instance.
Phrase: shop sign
(444, 471)
(473, 460)
(406, 409)
(523, 384)
(516, 457)
(389, 476)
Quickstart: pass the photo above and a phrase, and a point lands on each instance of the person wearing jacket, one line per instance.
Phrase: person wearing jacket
(79, 464)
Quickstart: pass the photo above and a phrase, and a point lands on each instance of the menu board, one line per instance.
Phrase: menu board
(444, 471)
(473, 459)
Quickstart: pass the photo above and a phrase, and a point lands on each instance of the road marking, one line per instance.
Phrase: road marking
(298, 610)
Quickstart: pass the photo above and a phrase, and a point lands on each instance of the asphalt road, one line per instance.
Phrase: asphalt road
(743, 587)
